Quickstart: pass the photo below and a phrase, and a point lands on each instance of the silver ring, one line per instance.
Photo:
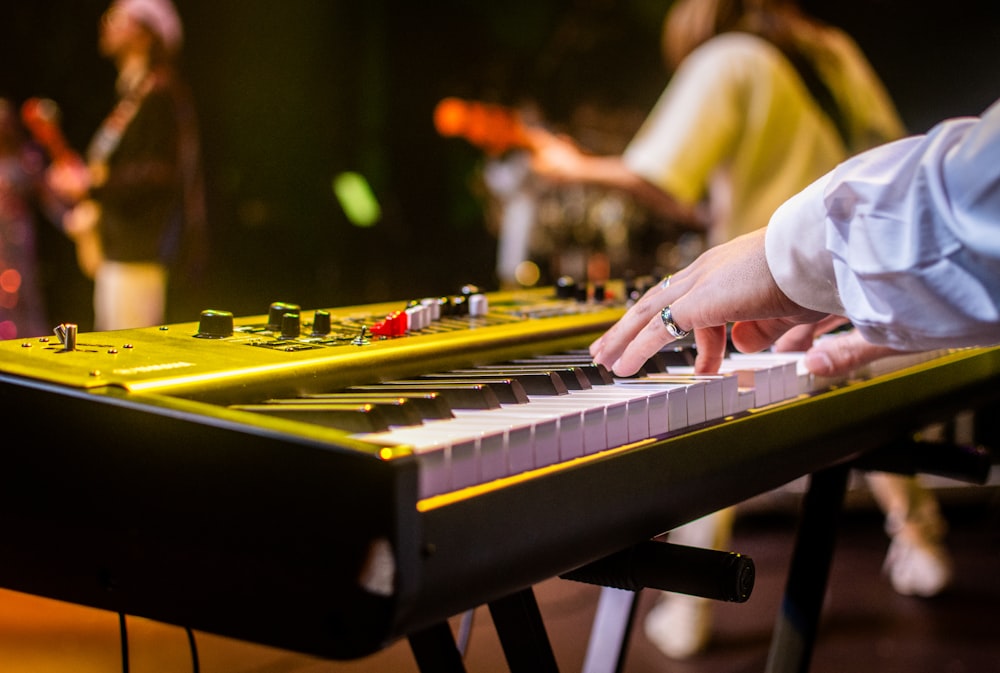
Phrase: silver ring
(665, 283)
(668, 322)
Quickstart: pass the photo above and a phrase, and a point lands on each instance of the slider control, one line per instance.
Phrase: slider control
(66, 332)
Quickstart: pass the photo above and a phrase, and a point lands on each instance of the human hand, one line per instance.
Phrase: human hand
(727, 283)
(553, 157)
(69, 180)
(80, 224)
(832, 355)
(842, 354)
(81, 218)
(801, 337)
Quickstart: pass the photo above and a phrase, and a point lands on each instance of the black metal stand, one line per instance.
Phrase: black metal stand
(434, 649)
(522, 633)
(519, 626)
(702, 572)
(795, 629)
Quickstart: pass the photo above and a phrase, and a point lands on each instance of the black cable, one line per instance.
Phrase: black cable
(194, 649)
(123, 631)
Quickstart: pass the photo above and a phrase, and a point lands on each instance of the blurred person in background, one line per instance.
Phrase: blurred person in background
(763, 100)
(24, 201)
(139, 186)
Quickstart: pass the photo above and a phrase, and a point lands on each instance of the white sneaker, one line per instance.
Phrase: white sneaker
(917, 566)
(679, 625)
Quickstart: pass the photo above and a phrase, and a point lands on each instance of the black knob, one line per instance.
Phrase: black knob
(446, 305)
(565, 287)
(629, 279)
(215, 324)
(459, 305)
(290, 326)
(321, 323)
(275, 313)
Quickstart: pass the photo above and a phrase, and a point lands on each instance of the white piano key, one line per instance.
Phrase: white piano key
(510, 450)
(451, 454)
(745, 399)
(570, 435)
(659, 412)
(465, 460)
(605, 419)
(677, 401)
(595, 433)
(721, 390)
(542, 441)
(492, 456)
(434, 464)
(533, 432)
(635, 408)
(756, 378)
(696, 403)
(569, 421)
(615, 424)
(520, 448)
(794, 377)
(478, 446)
(785, 383)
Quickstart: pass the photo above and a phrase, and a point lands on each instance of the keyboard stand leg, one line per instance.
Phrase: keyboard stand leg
(796, 626)
(522, 633)
(434, 649)
(610, 633)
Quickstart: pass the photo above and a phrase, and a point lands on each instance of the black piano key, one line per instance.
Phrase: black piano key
(429, 405)
(347, 417)
(678, 356)
(572, 376)
(669, 356)
(535, 383)
(598, 375)
(508, 390)
(456, 395)
(397, 410)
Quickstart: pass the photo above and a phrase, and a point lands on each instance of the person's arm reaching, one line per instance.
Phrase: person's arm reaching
(904, 239)
(901, 239)
(558, 159)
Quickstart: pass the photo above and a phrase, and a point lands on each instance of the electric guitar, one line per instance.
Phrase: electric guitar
(493, 128)
(41, 117)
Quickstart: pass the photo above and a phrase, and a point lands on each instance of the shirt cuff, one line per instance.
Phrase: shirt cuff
(795, 246)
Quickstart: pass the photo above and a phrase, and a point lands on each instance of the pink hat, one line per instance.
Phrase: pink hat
(159, 16)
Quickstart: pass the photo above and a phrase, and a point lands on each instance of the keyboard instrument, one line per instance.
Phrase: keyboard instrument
(332, 480)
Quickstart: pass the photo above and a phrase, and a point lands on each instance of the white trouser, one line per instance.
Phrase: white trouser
(129, 294)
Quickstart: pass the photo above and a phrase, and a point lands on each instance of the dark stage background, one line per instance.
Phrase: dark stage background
(292, 93)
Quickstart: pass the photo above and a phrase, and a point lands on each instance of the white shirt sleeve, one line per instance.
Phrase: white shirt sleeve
(903, 239)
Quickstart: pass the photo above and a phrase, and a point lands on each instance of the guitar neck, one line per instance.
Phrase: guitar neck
(493, 128)
(41, 118)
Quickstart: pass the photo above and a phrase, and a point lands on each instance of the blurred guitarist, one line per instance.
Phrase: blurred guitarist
(139, 185)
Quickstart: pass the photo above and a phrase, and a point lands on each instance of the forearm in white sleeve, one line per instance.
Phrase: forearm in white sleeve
(795, 245)
(909, 233)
